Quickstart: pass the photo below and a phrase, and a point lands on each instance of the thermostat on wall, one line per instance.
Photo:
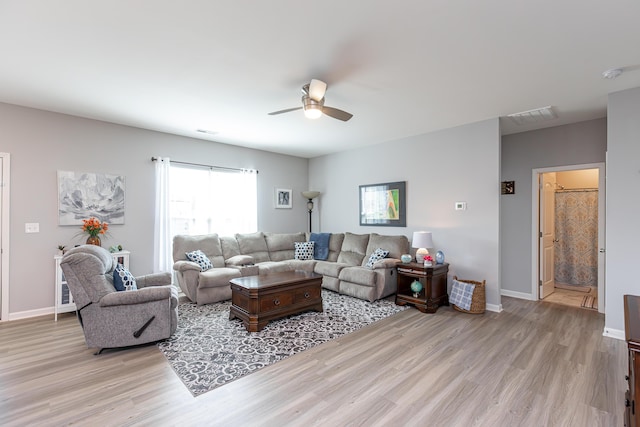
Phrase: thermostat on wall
(461, 206)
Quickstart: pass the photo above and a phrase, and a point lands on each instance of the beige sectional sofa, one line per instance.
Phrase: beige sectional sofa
(344, 269)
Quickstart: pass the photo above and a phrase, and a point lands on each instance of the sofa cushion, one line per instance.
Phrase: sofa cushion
(353, 249)
(199, 258)
(306, 265)
(281, 245)
(255, 245)
(218, 277)
(396, 245)
(229, 246)
(376, 256)
(335, 245)
(209, 244)
(327, 268)
(273, 267)
(359, 275)
(304, 250)
(239, 260)
(123, 280)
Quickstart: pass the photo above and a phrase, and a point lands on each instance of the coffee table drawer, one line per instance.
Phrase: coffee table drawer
(271, 302)
(307, 294)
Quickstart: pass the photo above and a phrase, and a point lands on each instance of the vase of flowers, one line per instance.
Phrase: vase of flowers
(94, 228)
(428, 261)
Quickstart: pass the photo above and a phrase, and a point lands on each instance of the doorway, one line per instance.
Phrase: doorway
(4, 236)
(568, 235)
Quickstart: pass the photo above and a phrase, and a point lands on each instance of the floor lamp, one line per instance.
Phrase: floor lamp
(310, 195)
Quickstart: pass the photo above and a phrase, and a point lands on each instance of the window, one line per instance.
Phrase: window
(205, 201)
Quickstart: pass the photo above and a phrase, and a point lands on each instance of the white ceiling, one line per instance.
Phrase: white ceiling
(402, 69)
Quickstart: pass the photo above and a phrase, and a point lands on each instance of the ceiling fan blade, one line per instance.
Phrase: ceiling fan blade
(285, 111)
(317, 89)
(337, 114)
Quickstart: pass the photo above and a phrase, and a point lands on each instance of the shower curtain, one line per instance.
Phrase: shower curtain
(576, 227)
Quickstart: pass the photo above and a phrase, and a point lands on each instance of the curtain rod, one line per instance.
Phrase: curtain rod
(155, 159)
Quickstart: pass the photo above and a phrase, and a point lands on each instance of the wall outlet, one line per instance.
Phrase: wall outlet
(32, 227)
(461, 206)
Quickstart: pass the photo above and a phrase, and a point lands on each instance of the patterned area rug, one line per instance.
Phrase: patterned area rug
(209, 350)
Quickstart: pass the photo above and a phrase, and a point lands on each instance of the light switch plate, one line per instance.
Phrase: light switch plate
(461, 206)
(32, 227)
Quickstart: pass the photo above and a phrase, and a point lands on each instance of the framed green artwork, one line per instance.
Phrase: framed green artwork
(384, 204)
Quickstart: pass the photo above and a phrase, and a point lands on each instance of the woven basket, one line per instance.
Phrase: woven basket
(478, 299)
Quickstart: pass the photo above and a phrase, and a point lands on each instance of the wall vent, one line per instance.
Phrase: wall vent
(533, 116)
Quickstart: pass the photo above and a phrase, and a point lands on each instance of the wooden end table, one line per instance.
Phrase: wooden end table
(258, 299)
(434, 286)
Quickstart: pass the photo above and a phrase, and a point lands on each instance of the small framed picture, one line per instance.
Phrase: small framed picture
(283, 198)
(508, 187)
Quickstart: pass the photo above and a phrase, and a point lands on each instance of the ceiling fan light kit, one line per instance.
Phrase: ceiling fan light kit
(313, 103)
(312, 108)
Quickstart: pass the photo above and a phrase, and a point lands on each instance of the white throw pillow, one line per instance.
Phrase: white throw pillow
(304, 250)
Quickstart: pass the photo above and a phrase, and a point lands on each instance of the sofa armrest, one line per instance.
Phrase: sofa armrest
(155, 279)
(185, 266)
(386, 263)
(141, 296)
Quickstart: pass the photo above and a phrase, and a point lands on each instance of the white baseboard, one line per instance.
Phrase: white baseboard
(519, 295)
(31, 313)
(493, 307)
(614, 333)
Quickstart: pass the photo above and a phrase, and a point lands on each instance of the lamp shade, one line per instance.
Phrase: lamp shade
(422, 239)
(310, 194)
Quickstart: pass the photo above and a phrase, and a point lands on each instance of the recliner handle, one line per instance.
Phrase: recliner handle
(139, 332)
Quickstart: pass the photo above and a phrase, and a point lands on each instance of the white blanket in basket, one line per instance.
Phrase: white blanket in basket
(461, 294)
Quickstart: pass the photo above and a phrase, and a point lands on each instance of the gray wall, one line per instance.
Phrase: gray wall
(623, 204)
(579, 143)
(40, 143)
(440, 168)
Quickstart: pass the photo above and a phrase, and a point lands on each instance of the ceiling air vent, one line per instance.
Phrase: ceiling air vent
(533, 116)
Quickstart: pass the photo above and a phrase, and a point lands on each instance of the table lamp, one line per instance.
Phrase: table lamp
(422, 240)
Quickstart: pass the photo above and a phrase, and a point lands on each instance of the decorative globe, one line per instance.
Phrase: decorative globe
(416, 287)
(406, 258)
(440, 257)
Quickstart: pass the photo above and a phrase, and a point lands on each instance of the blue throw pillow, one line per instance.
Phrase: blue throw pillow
(200, 258)
(123, 280)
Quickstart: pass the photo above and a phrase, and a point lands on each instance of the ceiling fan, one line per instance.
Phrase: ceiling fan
(313, 103)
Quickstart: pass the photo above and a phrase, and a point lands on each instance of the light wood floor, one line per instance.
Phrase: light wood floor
(534, 364)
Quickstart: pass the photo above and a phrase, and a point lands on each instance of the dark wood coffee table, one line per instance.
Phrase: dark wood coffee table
(258, 299)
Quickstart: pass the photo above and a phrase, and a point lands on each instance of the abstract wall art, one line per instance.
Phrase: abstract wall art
(82, 195)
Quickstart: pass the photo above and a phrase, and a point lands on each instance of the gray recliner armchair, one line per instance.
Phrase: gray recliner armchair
(112, 318)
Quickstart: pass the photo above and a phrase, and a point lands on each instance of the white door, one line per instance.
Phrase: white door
(547, 233)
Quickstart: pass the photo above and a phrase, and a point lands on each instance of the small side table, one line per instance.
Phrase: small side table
(434, 286)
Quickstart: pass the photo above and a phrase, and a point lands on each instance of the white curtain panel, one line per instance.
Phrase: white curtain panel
(162, 258)
(249, 220)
